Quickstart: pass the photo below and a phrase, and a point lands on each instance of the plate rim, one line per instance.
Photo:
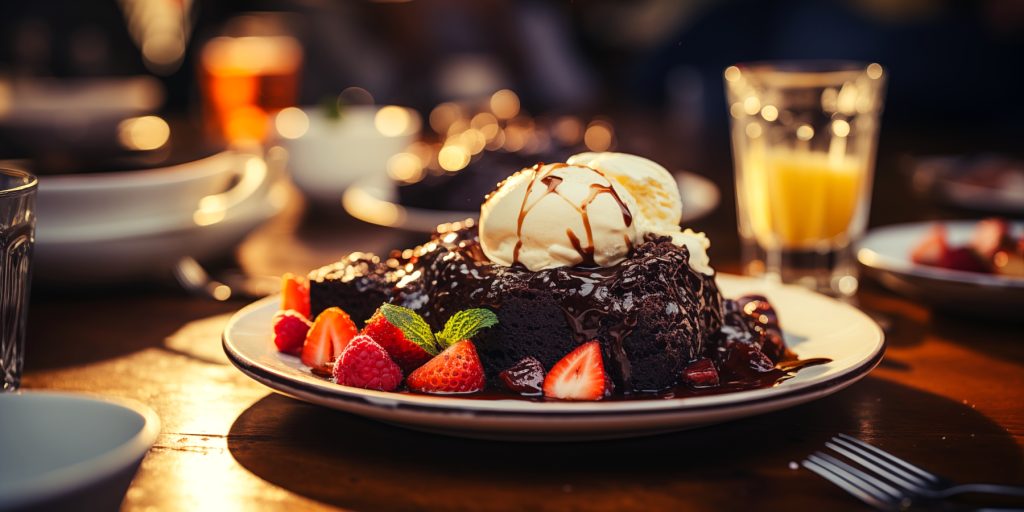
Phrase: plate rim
(281, 382)
(874, 259)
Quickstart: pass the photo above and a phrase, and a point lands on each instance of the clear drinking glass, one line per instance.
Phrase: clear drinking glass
(804, 136)
(17, 236)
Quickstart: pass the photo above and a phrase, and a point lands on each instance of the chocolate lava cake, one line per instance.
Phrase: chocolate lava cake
(652, 313)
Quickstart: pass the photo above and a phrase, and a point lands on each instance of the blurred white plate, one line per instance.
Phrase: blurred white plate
(987, 182)
(886, 251)
(62, 451)
(816, 326)
(375, 202)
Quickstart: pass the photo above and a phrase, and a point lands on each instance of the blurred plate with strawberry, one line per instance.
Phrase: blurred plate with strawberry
(973, 267)
(340, 369)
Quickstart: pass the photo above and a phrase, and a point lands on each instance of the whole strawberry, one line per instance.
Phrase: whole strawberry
(327, 338)
(408, 354)
(365, 364)
(455, 370)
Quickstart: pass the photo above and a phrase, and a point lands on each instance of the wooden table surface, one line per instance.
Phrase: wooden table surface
(948, 395)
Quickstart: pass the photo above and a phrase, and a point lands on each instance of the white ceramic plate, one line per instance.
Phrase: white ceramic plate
(815, 326)
(61, 450)
(886, 251)
(376, 201)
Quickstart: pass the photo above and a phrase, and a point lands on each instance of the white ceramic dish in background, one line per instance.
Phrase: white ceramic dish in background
(61, 450)
(130, 202)
(886, 251)
(137, 248)
(376, 202)
(334, 153)
(816, 326)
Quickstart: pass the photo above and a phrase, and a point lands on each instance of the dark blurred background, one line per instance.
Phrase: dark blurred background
(954, 65)
(493, 85)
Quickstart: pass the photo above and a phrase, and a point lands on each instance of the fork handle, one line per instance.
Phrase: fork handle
(1004, 490)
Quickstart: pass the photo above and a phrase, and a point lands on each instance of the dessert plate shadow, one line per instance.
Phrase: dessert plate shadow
(885, 251)
(815, 326)
(371, 200)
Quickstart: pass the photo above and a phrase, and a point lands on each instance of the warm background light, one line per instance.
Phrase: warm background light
(291, 123)
(392, 121)
(143, 133)
(598, 136)
(505, 104)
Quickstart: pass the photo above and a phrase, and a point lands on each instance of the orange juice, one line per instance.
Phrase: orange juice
(801, 199)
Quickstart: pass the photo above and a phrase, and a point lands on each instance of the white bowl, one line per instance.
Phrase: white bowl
(129, 202)
(63, 451)
(334, 153)
(146, 248)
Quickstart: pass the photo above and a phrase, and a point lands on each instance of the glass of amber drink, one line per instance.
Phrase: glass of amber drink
(804, 136)
(248, 74)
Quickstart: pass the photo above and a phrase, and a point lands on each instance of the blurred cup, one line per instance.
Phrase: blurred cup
(248, 74)
(803, 137)
(17, 235)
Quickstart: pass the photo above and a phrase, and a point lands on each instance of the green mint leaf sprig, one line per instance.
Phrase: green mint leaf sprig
(465, 324)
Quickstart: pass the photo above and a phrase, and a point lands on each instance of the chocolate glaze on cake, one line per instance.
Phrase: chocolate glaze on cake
(652, 313)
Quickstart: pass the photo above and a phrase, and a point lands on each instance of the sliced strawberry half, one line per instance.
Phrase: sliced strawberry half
(331, 332)
(405, 352)
(455, 370)
(579, 375)
(932, 248)
(295, 293)
(365, 364)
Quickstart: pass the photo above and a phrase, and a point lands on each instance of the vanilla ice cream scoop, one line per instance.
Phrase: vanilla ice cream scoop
(650, 184)
(591, 210)
(657, 196)
(558, 215)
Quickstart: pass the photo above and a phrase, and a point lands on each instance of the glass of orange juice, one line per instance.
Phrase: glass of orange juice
(803, 137)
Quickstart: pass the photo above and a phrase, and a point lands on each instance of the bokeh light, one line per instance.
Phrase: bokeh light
(443, 115)
(505, 104)
(453, 158)
(599, 136)
(143, 133)
(392, 121)
(291, 123)
(406, 167)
